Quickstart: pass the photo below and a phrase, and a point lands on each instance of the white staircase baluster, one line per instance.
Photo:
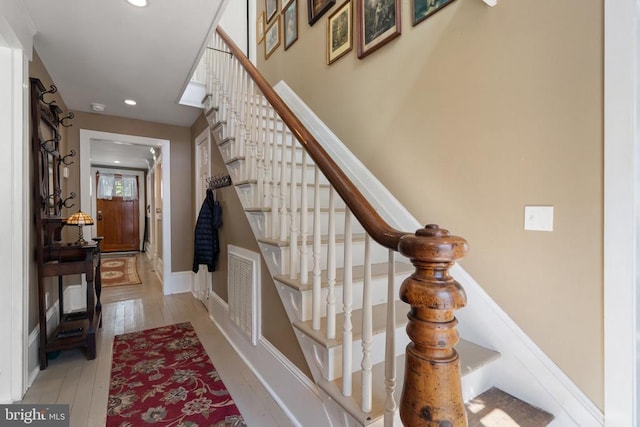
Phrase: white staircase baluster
(317, 282)
(266, 154)
(253, 135)
(293, 203)
(367, 330)
(304, 220)
(260, 151)
(275, 199)
(283, 184)
(331, 268)
(390, 404)
(347, 298)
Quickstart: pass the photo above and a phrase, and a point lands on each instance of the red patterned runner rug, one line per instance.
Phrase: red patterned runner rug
(164, 377)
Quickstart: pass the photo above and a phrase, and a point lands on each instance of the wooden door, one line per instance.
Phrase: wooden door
(119, 223)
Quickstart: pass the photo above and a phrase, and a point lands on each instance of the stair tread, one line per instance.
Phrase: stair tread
(377, 270)
(497, 408)
(234, 160)
(268, 209)
(356, 237)
(310, 185)
(226, 140)
(379, 324)
(472, 357)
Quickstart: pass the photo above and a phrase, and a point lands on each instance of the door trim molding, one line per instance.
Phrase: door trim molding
(86, 192)
(621, 210)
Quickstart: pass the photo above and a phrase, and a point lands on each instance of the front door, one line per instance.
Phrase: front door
(118, 224)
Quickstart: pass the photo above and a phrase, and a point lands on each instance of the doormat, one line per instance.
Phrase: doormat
(164, 376)
(119, 271)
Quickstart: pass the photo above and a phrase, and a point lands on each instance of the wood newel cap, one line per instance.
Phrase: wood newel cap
(432, 244)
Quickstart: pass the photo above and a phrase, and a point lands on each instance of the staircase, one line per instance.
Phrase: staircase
(340, 283)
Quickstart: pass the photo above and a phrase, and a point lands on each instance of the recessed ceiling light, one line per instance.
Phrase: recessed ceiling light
(130, 102)
(116, 161)
(138, 3)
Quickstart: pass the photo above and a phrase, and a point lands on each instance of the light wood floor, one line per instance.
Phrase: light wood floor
(71, 379)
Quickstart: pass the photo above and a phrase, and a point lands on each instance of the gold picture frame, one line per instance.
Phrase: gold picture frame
(260, 28)
(340, 32)
(272, 38)
(271, 8)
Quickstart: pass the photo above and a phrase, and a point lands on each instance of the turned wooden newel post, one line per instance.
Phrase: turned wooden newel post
(432, 392)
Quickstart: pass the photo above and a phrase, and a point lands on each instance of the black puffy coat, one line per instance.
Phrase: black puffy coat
(206, 244)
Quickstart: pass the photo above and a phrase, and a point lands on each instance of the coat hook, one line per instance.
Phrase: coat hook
(62, 203)
(64, 159)
(53, 89)
(69, 116)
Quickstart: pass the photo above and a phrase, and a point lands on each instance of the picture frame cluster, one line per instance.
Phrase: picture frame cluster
(376, 23)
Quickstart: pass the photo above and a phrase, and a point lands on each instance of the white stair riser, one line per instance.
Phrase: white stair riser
(299, 303)
(239, 172)
(249, 196)
(232, 148)
(261, 224)
(278, 257)
(329, 360)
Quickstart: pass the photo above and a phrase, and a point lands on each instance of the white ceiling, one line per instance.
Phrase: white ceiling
(105, 51)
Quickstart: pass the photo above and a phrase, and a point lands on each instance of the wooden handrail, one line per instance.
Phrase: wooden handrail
(432, 391)
(379, 230)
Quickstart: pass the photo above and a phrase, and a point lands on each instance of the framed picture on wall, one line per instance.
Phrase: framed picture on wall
(290, 14)
(272, 38)
(317, 8)
(339, 33)
(260, 28)
(422, 9)
(378, 22)
(270, 8)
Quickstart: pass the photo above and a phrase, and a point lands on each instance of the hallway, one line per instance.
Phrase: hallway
(71, 379)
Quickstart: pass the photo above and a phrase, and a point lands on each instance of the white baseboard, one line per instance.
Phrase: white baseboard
(292, 390)
(33, 356)
(74, 297)
(177, 283)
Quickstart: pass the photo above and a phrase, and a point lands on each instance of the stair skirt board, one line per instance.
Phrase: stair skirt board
(292, 390)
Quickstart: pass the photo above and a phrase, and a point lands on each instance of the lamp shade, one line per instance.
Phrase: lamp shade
(80, 219)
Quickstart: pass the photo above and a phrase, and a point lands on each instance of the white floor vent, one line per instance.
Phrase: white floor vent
(243, 287)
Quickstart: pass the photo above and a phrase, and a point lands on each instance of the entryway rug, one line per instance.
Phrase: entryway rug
(119, 271)
(164, 377)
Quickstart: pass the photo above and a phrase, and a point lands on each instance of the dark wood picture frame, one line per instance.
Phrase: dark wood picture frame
(378, 23)
(270, 9)
(272, 38)
(317, 8)
(340, 32)
(422, 9)
(290, 24)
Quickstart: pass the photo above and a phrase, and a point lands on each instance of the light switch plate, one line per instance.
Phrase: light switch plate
(538, 218)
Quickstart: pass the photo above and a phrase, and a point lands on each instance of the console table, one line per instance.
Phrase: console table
(76, 329)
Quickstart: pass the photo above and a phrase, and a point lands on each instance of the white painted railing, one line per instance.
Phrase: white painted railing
(265, 154)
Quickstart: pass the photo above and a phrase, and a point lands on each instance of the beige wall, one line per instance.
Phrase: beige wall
(181, 195)
(487, 110)
(236, 231)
